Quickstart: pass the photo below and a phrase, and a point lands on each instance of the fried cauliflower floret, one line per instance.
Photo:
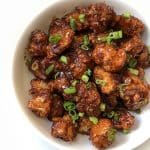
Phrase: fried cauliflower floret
(37, 43)
(102, 134)
(109, 58)
(125, 120)
(59, 28)
(99, 17)
(84, 125)
(39, 87)
(64, 128)
(134, 93)
(133, 45)
(130, 26)
(57, 109)
(88, 99)
(40, 105)
(108, 83)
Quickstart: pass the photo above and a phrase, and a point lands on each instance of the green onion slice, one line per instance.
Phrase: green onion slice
(74, 82)
(88, 72)
(55, 38)
(49, 69)
(132, 63)
(102, 106)
(70, 90)
(121, 88)
(133, 71)
(93, 119)
(116, 117)
(85, 47)
(82, 18)
(111, 134)
(68, 105)
(73, 24)
(85, 78)
(110, 114)
(63, 59)
(100, 82)
(127, 15)
(81, 114)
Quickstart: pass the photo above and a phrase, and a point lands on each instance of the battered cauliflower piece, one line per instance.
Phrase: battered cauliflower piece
(102, 135)
(64, 128)
(109, 58)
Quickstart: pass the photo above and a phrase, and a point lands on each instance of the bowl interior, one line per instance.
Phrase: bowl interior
(22, 77)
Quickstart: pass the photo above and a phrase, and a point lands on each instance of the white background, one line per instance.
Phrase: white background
(14, 132)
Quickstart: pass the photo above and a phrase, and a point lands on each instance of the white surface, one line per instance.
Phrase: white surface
(14, 132)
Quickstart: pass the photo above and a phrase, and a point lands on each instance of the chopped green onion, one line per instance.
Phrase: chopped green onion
(127, 15)
(93, 119)
(138, 111)
(132, 63)
(74, 115)
(63, 59)
(68, 105)
(81, 114)
(110, 114)
(70, 90)
(85, 78)
(49, 69)
(126, 131)
(86, 40)
(116, 117)
(133, 71)
(121, 88)
(74, 82)
(55, 38)
(88, 72)
(111, 134)
(56, 75)
(88, 85)
(85, 47)
(100, 82)
(82, 18)
(35, 66)
(102, 106)
(73, 24)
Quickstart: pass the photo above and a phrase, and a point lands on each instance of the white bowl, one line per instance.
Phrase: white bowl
(22, 77)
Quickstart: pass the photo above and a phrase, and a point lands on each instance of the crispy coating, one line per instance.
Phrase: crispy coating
(58, 27)
(100, 134)
(57, 109)
(88, 99)
(64, 128)
(110, 82)
(133, 45)
(39, 87)
(99, 17)
(84, 126)
(40, 105)
(144, 58)
(37, 43)
(125, 121)
(80, 62)
(109, 58)
(135, 93)
(130, 26)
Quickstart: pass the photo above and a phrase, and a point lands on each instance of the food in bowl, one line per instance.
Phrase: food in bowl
(89, 73)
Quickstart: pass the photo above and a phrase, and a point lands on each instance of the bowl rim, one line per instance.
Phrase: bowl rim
(33, 128)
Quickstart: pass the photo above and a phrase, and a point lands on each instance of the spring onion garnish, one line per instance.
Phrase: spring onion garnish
(85, 78)
(49, 69)
(35, 66)
(116, 117)
(86, 42)
(126, 131)
(70, 90)
(127, 15)
(81, 114)
(133, 71)
(102, 106)
(93, 119)
(100, 82)
(70, 107)
(111, 36)
(74, 82)
(88, 85)
(82, 18)
(121, 88)
(56, 75)
(63, 59)
(132, 63)
(88, 72)
(111, 134)
(110, 114)
(73, 24)
(55, 38)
